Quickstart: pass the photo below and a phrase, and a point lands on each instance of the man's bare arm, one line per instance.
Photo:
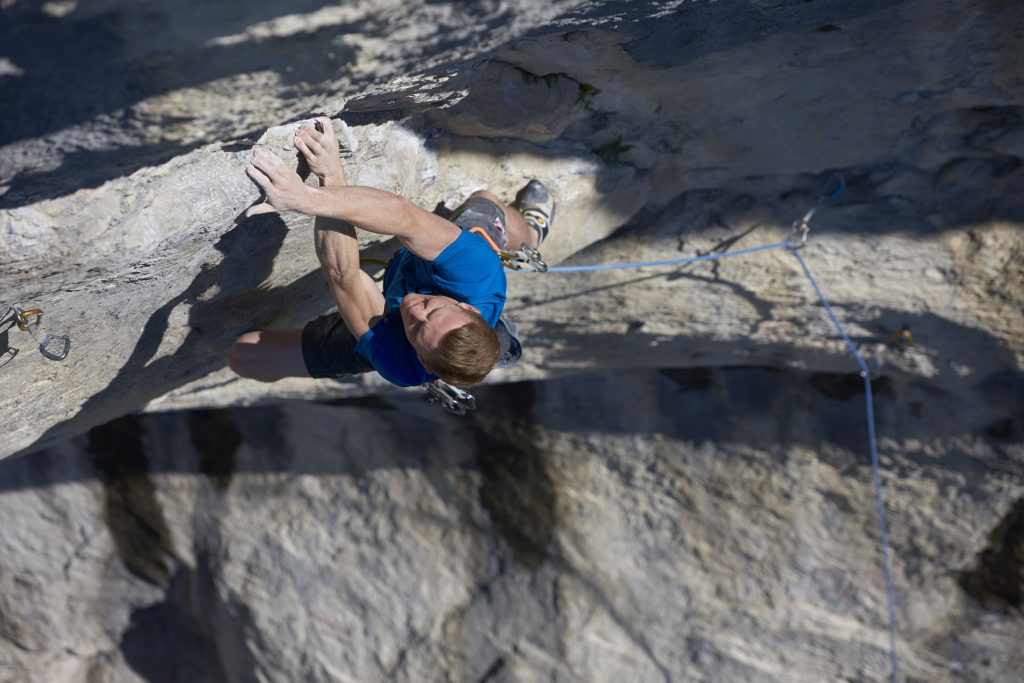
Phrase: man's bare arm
(424, 233)
(359, 301)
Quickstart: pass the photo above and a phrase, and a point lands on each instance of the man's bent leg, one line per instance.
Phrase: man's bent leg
(323, 348)
(268, 355)
(516, 229)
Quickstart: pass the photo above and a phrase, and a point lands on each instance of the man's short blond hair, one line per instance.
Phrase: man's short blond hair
(466, 354)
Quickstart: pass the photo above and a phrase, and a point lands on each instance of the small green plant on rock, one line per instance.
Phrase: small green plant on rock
(613, 151)
(551, 79)
(586, 94)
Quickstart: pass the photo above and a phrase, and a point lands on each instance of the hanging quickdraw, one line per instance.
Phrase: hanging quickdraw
(524, 258)
(453, 399)
(52, 346)
(798, 232)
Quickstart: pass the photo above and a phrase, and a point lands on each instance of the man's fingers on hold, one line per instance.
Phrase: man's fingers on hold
(316, 136)
(269, 164)
(261, 179)
(308, 151)
(258, 209)
(310, 139)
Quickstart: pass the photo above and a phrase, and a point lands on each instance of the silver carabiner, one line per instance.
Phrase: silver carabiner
(799, 230)
(525, 258)
(34, 328)
(453, 399)
(48, 340)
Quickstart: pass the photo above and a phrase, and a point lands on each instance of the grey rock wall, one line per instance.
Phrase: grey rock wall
(648, 125)
(682, 525)
(673, 485)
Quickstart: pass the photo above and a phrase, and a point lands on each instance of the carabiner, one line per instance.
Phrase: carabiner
(21, 317)
(34, 328)
(453, 399)
(799, 230)
(524, 258)
(47, 340)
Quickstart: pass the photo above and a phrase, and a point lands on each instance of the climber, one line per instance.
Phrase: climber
(443, 291)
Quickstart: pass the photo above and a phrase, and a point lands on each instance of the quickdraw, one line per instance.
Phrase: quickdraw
(525, 258)
(453, 399)
(52, 346)
(800, 228)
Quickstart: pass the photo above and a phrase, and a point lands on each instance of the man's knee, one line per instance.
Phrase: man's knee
(486, 195)
(247, 358)
(268, 356)
(242, 354)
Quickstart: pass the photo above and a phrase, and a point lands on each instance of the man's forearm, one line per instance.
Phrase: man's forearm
(425, 234)
(338, 251)
(335, 240)
(370, 209)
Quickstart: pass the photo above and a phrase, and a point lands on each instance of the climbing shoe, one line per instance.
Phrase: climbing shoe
(537, 205)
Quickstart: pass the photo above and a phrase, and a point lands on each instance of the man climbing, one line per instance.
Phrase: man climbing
(444, 290)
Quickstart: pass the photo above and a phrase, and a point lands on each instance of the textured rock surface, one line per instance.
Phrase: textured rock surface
(675, 143)
(683, 525)
(682, 493)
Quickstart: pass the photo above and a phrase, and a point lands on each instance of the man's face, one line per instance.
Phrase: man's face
(428, 317)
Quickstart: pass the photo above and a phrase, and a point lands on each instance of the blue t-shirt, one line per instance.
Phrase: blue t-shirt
(468, 270)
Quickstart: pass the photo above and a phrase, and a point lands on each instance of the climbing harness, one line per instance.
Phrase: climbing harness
(52, 346)
(451, 398)
(525, 258)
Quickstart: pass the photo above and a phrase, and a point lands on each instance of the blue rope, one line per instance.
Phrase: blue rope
(676, 262)
(883, 526)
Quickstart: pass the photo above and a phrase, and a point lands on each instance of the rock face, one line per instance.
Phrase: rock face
(670, 486)
(678, 524)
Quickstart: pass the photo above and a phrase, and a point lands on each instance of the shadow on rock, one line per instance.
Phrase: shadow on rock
(86, 73)
(517, 488)
(249, 250)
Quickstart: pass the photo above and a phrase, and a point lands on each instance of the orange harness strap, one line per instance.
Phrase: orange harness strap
(483, 233)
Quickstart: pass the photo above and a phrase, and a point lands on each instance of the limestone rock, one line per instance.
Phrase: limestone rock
(682, 489)
(499, 97)
(643, 524)
(931, 207)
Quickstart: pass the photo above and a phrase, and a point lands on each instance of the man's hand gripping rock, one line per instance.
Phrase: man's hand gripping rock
(319, 146)
(284, 189)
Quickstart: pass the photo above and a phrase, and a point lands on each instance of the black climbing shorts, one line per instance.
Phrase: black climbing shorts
(477, 212)
(329, 349)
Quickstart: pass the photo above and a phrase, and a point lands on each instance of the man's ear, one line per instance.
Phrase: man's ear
(470, 308)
